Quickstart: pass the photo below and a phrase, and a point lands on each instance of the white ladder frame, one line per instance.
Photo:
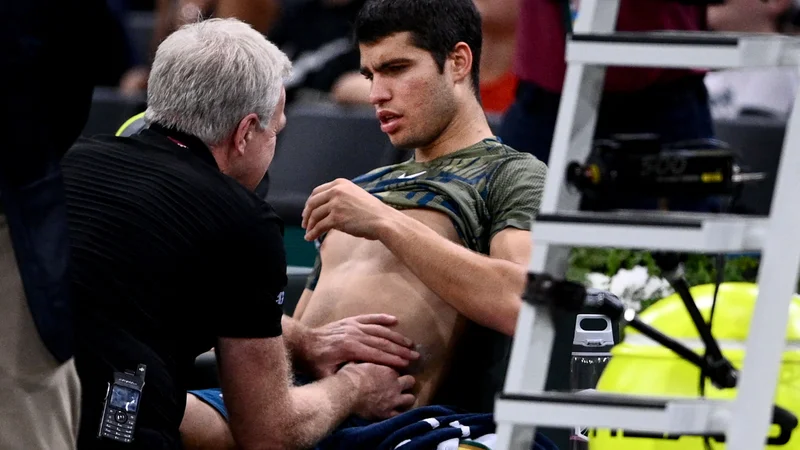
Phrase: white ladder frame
(747, 419)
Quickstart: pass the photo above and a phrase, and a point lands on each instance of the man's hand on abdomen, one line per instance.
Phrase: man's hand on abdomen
(366, 338)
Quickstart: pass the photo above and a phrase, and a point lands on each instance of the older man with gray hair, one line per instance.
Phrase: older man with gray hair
(174, 254)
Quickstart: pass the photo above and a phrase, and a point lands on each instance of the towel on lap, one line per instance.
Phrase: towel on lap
(419, 429)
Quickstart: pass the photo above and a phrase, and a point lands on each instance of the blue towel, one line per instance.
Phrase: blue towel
(419, 429)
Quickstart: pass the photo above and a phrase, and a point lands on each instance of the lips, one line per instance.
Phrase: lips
(389, 121)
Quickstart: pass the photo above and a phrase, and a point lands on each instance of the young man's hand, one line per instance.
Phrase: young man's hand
(342, 205)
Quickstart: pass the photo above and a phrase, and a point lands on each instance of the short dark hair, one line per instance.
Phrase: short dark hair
(435, 26)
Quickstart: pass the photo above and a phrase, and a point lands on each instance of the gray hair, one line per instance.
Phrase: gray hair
(207, 76)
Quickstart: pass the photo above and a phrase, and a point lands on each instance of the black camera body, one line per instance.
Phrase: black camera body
(121, 406)
(640, 165)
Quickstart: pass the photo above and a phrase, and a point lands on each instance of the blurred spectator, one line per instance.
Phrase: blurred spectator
(315, 34)
(497, 81)
(759, 91)
(171, 14)
(317, 37)
(671, 103)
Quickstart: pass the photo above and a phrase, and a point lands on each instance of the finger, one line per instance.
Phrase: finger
(319, 228)
(406, 382)
(314, 201)
(405, 401)
(327, 371)
(317, 215)
(385, 333)
(373, 355)
(378, 319)
(388, 346)
(323, 187)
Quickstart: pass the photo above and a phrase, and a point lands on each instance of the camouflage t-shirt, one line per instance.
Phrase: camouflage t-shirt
(483, 188)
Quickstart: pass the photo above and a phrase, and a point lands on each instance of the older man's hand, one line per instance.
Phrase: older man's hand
(366, 338)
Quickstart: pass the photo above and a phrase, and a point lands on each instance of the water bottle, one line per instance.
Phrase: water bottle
(591, 347)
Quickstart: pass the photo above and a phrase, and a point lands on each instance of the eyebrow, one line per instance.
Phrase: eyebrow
(384, 65)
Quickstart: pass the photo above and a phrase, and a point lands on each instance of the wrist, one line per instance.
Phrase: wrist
(389, 224)
(300, 343)
(354, 379)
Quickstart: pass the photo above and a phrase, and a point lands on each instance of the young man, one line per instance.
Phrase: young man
(448, 230)
(441, 241)
(174, 254)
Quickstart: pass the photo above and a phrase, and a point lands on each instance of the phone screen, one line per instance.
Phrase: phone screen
(125, 398)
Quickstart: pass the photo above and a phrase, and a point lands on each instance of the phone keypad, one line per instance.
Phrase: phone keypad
(118, 426)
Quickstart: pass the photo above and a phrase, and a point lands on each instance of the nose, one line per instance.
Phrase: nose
(379, 92)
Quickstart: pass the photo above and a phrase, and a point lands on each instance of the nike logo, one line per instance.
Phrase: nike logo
(408, 177)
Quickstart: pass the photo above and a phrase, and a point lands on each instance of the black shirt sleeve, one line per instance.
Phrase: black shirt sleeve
(251, 278)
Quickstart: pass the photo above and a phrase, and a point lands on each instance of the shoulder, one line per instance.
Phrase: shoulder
(507, 159)
(176, 181)
(89, 144)
(375, 175)
(249, 216)
(264, 221)
(252, 221)
(247, 231)
(117, 153)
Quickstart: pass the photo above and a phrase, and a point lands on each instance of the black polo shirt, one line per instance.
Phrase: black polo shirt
(168, 254)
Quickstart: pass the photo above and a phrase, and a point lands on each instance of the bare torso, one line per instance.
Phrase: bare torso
(362, 277)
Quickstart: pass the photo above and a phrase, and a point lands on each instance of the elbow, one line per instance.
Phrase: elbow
(495, 305)
(499, 311)
(508, 322)
(510, 301)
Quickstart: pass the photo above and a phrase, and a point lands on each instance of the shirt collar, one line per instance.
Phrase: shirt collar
(185, 141)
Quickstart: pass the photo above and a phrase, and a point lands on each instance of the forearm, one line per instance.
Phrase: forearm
(265, 411)
(320, 407)
(485, 290)
(295, 335)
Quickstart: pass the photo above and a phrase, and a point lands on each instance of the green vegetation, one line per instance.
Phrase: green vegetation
(700, 269)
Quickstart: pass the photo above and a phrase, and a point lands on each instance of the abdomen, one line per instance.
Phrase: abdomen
(364, 277)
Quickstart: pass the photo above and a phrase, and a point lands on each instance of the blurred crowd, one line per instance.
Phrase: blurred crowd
(316, 34)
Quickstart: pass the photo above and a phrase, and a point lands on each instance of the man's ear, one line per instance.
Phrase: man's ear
(244, 132)
(461, 62)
